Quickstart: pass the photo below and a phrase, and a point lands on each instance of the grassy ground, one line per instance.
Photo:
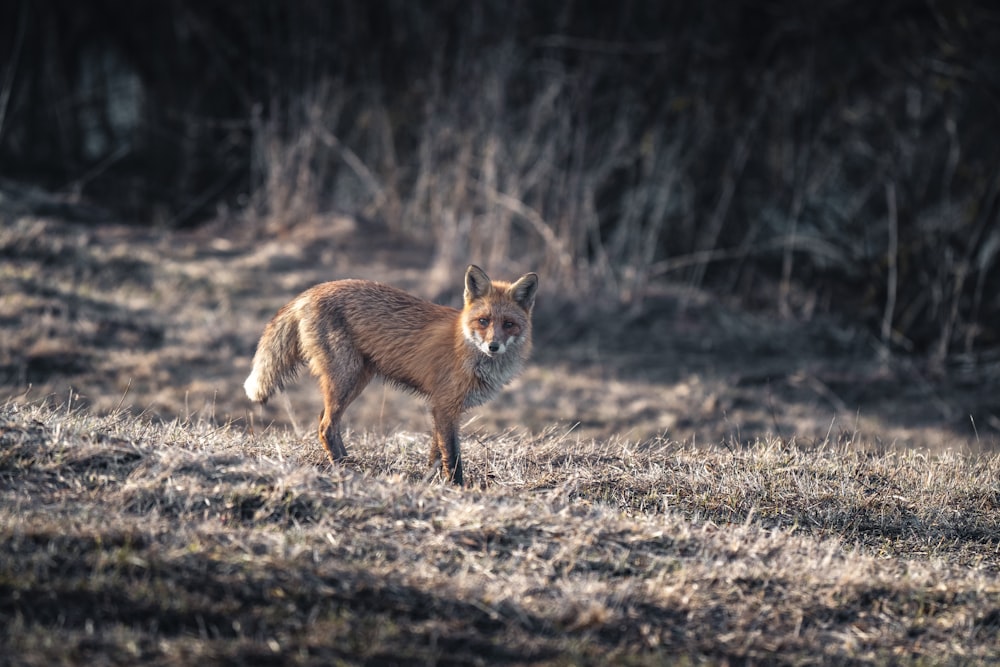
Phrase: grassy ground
(688, 483)
(125, 540)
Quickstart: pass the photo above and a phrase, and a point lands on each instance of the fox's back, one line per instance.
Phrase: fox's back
(367, 306)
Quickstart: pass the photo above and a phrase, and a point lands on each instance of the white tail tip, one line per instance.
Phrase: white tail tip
(253, 389)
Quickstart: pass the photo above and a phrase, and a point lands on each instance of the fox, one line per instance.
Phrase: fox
(349, 331)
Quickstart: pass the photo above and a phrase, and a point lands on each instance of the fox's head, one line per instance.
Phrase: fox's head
(497, 314)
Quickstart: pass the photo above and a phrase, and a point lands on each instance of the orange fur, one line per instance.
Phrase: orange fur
(349, 331)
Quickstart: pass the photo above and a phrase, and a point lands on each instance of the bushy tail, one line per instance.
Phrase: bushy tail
(278, 356)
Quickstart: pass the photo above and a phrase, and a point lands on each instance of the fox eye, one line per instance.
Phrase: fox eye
(508, 324)
(484, 321)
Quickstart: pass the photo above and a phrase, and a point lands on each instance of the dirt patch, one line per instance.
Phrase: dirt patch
(165, 323)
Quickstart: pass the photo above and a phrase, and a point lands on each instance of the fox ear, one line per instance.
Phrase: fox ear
(477, 283)
(523, 291)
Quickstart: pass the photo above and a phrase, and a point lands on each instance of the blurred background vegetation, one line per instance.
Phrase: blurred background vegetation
(835, 158)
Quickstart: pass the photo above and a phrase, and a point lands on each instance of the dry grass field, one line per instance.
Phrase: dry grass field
(182, 543)
(688, 483)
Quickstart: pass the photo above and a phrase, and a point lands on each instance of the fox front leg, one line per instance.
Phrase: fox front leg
(444, 446)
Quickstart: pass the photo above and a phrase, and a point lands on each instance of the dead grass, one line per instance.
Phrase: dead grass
(842, 509)
(128, 540)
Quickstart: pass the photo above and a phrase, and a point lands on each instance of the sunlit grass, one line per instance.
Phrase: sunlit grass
(126, 538)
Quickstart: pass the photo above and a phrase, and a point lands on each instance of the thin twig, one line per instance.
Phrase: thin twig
(533, 217)
(355, 163)
(891, 259)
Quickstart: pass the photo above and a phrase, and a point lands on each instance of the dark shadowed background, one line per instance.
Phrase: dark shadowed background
(835, 161)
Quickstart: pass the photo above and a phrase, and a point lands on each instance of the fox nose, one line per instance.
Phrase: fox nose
(494, 347)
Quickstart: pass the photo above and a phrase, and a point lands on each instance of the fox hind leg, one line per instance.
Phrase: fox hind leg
(329, 435)
(340, 383)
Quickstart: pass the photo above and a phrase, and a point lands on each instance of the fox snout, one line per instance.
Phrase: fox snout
(490, 340)
(493, 347)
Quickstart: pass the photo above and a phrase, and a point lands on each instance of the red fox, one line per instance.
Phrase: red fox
(349, 331)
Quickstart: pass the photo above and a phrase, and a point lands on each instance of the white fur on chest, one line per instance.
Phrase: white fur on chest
(492, 374)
